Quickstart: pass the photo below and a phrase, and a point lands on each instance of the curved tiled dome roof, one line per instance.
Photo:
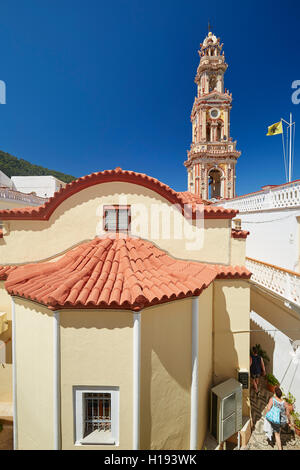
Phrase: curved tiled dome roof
(114, 272)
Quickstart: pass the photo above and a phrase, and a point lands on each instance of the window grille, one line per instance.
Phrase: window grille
(97, 412)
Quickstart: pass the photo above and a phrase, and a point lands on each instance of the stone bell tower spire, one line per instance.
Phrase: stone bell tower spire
(213, 155)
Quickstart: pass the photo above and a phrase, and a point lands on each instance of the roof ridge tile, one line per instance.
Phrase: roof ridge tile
(44, 212)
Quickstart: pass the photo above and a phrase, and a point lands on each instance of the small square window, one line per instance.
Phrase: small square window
(96, 415)
(117, 218)
(237, 224)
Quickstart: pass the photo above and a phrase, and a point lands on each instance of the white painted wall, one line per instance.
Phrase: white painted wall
(43, 186)
(274, 236)
(270, 215)
(5, 181)
(287, 373)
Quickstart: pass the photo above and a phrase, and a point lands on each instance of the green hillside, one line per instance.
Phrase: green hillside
(13, 166)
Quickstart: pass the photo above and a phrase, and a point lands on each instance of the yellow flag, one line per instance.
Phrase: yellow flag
(275, 128)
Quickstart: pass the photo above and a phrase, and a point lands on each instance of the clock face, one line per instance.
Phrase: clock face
(214, 113)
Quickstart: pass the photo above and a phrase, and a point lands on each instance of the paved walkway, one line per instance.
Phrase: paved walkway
(258, 439)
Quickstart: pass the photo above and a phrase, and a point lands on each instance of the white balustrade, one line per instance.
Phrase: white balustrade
(283, 196)
(280, 281)
(30, 199)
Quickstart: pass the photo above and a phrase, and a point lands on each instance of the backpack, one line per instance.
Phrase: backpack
(274, 414)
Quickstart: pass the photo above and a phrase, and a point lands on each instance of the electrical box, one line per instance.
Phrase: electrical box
(243, 377)
(226, 410)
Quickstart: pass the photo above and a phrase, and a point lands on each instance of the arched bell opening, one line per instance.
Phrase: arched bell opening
(208, 132)
(219, 132)
(214, 183)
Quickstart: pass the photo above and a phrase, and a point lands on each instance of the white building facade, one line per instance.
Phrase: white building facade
(5, 181)
(26, 190)
(42, 186)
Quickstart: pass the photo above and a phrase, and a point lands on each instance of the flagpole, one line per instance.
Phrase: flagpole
(290, 155)
(284, 154)
(290, 128)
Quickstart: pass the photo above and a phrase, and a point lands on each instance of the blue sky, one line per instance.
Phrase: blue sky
(95, 84)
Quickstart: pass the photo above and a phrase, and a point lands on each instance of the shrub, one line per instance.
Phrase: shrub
(289, 398)
(296, 419)
(272, 379)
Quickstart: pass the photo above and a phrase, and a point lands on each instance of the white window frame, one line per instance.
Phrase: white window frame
(117, 209)
(78, 397)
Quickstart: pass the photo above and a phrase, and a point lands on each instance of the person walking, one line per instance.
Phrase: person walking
(277, 416)
(257, 368)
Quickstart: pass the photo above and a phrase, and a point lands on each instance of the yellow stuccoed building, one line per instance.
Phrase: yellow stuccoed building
(125, 303)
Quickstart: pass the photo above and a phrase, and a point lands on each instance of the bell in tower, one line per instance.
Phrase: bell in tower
(213, 155)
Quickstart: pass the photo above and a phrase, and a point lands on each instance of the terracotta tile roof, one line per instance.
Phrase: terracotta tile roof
(235, 233)
(191, 198)
(232, 272)
(5, 271)
(44, 212)
(114, 272)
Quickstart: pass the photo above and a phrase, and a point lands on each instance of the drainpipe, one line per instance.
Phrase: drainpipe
(195, 378)
(14, 374)
(136, 378)
(56, 380)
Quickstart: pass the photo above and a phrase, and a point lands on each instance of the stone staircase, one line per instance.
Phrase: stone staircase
(6, 421)
(258, 439)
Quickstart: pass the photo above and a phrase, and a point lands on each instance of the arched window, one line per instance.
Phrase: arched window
(208, 132)
(214, 183)
(219, 132)
(212, 82)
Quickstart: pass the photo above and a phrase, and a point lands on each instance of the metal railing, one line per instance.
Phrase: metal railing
(283, 196)
(30, 199)
(281, 281)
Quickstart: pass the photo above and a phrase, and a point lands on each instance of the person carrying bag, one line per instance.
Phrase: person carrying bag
(277, 416)
(274, 414)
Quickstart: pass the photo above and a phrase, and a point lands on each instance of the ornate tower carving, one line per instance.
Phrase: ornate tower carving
(213, 155)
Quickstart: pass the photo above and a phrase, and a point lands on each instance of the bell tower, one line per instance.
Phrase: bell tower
(213, 155)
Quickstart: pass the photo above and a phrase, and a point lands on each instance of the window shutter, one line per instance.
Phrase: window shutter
(123, 219)
(111, 219)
